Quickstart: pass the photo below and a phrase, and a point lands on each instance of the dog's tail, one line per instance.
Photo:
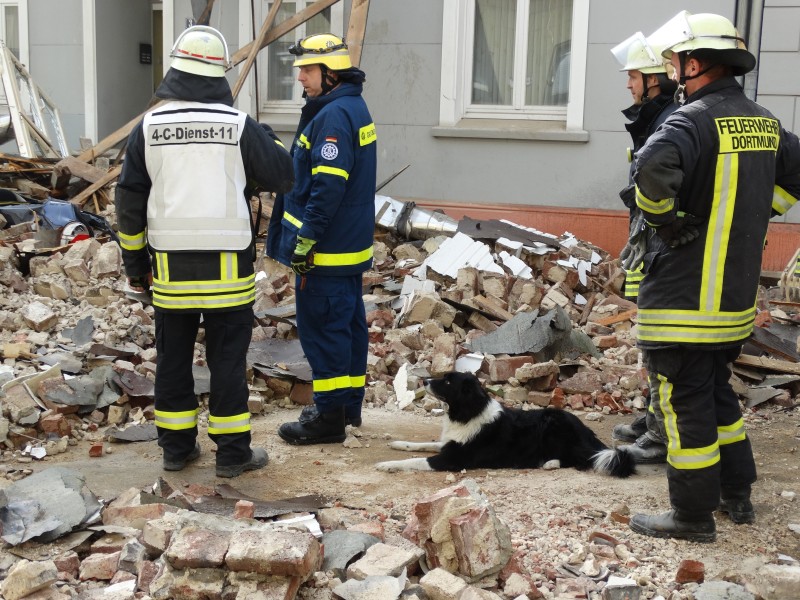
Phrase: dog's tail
(617, 463)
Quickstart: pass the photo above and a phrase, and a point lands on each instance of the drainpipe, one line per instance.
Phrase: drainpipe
(749, 22)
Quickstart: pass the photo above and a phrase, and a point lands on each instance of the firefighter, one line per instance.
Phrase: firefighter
(707, 183)
(184, 227)
(324, 230)
(652, 89)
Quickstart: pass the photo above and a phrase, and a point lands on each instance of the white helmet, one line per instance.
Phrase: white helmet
(636, 54)
(201, 50)
(713, 34)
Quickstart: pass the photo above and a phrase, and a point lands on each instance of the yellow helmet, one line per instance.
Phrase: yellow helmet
(636, 54)
(201, 50)
(322, 49)
(690, 33)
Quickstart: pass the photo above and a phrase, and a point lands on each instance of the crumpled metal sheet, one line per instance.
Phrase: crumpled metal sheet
(46, 506)
(279, 358)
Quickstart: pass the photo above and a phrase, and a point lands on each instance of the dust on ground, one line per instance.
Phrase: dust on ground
(550, 513)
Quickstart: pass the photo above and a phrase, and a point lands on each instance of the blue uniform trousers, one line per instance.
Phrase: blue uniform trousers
(332, 326)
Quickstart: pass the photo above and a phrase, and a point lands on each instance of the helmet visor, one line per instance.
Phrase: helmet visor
(299, 50)
(671, 33)
(635, 54)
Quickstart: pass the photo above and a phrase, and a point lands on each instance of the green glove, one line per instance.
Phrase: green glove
(303, 258)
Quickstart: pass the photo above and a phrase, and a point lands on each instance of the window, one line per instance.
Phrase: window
(279, 90)
(14, 27)
(514, 59)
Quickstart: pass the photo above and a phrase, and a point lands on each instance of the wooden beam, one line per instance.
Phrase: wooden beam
(255, 47)
(356, 29)
(283, 28)
(79, 199)
(770, 364)
(206, 15)
(279, 30)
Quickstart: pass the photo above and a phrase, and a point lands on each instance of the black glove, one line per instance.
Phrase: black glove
(683, 230)
(303, 258)
(628, 196)
(633, 252)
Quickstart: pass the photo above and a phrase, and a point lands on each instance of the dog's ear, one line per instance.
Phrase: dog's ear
(472, 386)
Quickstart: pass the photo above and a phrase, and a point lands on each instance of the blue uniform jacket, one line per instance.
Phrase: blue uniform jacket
(333, 199)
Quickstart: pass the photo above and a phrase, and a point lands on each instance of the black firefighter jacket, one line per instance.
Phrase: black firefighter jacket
(724, 164)
(200, 281)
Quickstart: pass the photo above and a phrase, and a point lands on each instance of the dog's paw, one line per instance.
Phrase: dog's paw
(552, 465)
(389, 466)
(400, 445)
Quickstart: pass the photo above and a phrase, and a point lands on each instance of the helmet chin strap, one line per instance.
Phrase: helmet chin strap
(328, 80)
(680, 93)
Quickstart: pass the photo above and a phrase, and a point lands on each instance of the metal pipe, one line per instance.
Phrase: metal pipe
(410, 221)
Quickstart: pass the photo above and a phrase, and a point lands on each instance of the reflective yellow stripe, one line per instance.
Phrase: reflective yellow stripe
(303, 141)
(163, 266)
(694, 458)
(678, 457)
(367, 135)
(718, 234)
(176, 420)
(233, 424)
(339, 383)
(330, 171)
(692, 326)
(729, 434)
(205, 302)
(203, 287)
(654, 207)
(132, 242)
(228, 266)
(324, 259)
(293, 220)
(280, 143)
(782, 200)
(331, 384)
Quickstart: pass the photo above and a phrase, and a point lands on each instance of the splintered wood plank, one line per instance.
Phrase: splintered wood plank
(79, 199)
(79, 168)
(770, 364)
(256, 46)
(618, 318)
(356, 30)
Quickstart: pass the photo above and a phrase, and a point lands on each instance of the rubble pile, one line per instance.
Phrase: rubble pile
(537, 317)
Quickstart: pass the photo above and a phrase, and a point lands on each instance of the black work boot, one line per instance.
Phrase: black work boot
(325, 428)
(630, 432)
(645, 451)
(174, 463)
(309, 413)
(258, 460)
(674, 524)
(740, 510)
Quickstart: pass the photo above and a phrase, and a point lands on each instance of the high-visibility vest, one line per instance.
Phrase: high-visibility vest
(197, 200)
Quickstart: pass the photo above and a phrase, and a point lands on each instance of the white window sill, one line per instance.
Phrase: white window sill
(511, 129)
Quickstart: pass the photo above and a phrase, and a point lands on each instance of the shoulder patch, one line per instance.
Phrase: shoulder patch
(329, 151)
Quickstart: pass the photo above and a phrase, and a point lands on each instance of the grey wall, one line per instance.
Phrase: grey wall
(55, 35)
(122, 25)
(402, 58)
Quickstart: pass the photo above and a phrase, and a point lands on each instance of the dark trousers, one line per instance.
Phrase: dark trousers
(227, 338)
(708, 452)
(332, 326)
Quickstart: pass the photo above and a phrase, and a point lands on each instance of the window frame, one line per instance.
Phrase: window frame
(22, 8)
(456, 79)
(290, 107)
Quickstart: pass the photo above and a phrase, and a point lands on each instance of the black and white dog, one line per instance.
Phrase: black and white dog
(480, 433)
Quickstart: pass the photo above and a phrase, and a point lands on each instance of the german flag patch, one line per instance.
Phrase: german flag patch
(331, 139)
